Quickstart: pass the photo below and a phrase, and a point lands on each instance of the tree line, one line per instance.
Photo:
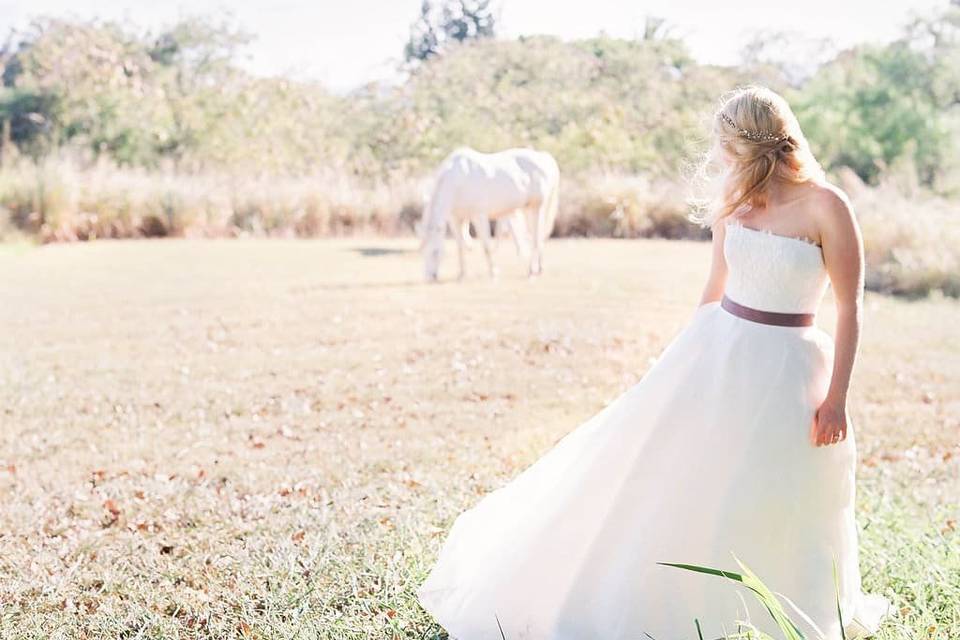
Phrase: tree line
(179, 99)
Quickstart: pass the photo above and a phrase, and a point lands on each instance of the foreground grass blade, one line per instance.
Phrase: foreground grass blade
(836, 589)
(707, 570)
(790, 630)
(750, 580)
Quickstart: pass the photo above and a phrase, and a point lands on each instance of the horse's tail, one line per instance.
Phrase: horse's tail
(553, 204)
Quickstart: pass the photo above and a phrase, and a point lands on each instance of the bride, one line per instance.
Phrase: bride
(736, 443)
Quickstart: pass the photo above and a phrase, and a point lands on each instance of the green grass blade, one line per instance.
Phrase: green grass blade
(789, 629)
(836, 590)
(708, 570)
(750, 580)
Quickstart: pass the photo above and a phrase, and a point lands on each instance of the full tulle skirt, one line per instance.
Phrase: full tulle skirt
(705, 460)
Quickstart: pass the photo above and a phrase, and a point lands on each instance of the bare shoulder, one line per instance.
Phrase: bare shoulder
(718, 227)
(833, 213)
(830, 206)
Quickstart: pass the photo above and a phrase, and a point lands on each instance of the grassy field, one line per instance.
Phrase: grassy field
(268, 439)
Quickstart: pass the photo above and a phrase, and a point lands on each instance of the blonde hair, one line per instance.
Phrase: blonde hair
(758, 139)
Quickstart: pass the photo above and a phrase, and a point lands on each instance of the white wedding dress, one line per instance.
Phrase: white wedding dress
(707, 457)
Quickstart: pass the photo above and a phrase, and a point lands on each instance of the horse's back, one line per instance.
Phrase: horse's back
(540, 166)
(518, 165)
(496, 183)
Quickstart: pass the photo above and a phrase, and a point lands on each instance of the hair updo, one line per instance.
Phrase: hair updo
(758, 139)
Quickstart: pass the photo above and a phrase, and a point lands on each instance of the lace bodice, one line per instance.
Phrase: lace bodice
(773, 272)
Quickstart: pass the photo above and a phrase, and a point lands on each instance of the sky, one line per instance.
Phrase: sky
(345, 43)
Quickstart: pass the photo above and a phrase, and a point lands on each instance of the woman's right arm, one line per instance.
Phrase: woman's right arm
(713, 290)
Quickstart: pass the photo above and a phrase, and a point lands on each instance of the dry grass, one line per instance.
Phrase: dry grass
(912, 243)
(268, 439)
(56, 202)
(621, 206)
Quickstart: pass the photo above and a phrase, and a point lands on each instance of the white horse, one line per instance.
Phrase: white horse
(517, 186)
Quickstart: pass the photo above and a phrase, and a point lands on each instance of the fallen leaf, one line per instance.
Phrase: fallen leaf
(112, 507)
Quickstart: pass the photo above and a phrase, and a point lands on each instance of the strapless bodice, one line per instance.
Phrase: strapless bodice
(772, 272)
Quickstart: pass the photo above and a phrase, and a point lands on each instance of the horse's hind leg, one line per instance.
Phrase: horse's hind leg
(517, 222)
(482, 226)
(461, 237)
(537, 218)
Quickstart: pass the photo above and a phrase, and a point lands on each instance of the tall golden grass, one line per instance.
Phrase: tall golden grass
(912, 239)
(912, 244)
(55, 201)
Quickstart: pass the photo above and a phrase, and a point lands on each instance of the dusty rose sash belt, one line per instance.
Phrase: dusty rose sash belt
(767, 317)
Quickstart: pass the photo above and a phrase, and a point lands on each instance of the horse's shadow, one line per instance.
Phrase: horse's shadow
(347, 286)
(376, 252)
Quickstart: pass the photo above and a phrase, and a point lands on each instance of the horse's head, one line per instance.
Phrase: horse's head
(431, 246)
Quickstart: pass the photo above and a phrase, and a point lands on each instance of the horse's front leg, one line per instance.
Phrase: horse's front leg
(461, 252)
(540, 242)
(482, 225)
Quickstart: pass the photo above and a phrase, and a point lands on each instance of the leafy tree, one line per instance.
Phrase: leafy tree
(453, 20)
(874, 107)
(597, 103)
(179, 97)
(784, 59)
(198, 81)
(655, 28)
(27, 120)
(938, 38)
(86, 83)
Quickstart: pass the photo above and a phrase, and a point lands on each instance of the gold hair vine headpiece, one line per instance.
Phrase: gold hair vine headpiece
(754, 136)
